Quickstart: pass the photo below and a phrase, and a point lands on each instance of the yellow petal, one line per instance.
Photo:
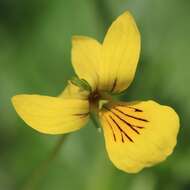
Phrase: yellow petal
(86, 58)
(51, 115)
(120, 54)
(139, 134)
(74, 92)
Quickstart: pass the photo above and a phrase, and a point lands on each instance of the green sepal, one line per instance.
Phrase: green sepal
(81, 83)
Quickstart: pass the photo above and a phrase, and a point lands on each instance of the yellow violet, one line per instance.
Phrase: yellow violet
(137, 134)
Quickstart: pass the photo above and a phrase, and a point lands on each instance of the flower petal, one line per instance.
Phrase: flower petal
(74, 92)
(86, 58)
(120, 54)
(51, 115)
(139, 134)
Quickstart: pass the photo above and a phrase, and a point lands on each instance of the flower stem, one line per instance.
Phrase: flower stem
(35, 176)
(94, 120)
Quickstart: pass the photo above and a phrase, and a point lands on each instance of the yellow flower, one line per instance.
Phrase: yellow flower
(137, 134)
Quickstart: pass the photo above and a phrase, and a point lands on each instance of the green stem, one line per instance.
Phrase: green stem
(94, 120)
(35, 176)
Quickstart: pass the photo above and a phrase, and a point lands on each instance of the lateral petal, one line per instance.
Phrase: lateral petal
(51, 115)
(74, 92)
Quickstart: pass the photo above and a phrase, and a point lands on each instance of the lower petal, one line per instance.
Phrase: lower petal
(139, 134)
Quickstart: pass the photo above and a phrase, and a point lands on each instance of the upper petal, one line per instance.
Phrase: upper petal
(120, 54)
(140, 134)
(86, 58)
(51, 115)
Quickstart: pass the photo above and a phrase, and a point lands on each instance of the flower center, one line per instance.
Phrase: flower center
(94, 99)
(97, 100)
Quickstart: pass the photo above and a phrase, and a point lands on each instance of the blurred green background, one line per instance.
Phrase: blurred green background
(35, 44)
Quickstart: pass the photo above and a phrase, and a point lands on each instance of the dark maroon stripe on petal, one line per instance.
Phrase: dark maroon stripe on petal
(111, 129)
(126, 122)
(114, 85)
(135, 109)
(121, 130)
(134, 117)
(81, 114)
